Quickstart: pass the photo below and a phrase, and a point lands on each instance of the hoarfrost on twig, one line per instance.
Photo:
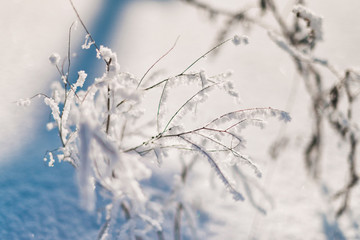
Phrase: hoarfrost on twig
(314, 21)
(88, 42)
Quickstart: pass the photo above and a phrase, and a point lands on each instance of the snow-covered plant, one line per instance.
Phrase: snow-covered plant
(299, 40)
(147, 165)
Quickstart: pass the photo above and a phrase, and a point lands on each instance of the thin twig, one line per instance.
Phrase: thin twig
(164, 55)
(205, 54)
(108, 109)
(218, 171)
(69, 51)
(84, 26)
(177, 222)
(182, 106)
(192, 64)
(107, 62)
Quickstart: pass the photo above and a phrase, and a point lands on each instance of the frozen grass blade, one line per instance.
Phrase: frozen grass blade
(236, 195)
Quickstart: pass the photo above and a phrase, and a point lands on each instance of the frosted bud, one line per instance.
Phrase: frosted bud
(64, 79)
(88, 42)
(236, 40)
(52, 160)
(245, 39)
(54, 59)
(50, 126)
(23, 102)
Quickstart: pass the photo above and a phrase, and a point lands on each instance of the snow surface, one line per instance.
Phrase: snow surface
(37, 202)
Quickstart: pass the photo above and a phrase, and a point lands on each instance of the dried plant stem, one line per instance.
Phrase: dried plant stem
(182, 106)
(177, 222)
(83, 25)
(192, 64)
(107, 62)
(313, 82)
(69, 58)
(205, 54)
(164, 55)
(218, 171)
(278, 18)
(108, 109)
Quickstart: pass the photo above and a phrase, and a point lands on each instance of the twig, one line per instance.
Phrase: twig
(177, 222)
(205, 54)
(218, 171)
(107, 62)
(182, 106)
(164, 55)
(108, 109)
(84, 26)
(192, 64)
(69, 50)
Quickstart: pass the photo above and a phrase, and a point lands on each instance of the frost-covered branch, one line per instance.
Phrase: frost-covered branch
(103, 136)
(299, 39)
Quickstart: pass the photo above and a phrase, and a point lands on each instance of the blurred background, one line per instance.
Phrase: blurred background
(39, 202)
